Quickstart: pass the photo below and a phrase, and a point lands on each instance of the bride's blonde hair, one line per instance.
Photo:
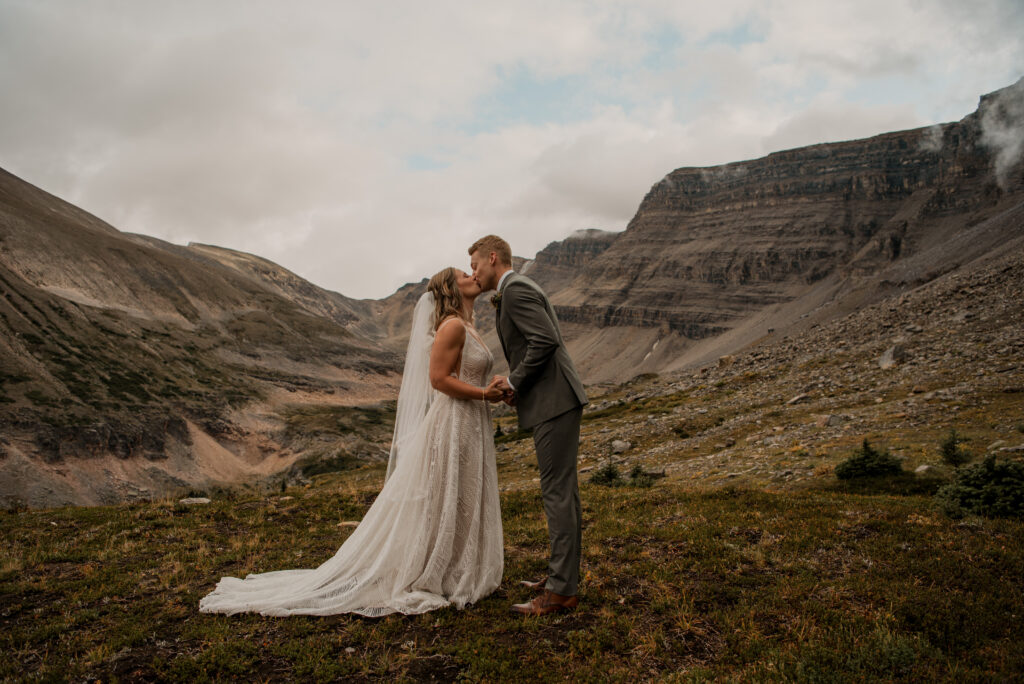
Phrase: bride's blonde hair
(447, 295)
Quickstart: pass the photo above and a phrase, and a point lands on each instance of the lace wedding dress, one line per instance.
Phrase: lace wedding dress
(433, 536)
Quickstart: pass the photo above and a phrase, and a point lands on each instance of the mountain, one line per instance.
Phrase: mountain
(129, 366)
(718, 258)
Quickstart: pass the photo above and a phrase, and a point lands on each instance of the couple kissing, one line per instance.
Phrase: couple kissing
(433, 537)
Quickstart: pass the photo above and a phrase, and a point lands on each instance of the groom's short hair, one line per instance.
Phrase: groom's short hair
(493, 243)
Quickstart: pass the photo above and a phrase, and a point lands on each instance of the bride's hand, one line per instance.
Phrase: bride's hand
(493, 392)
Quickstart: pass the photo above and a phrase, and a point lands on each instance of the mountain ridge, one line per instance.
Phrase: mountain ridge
(131, 366)
(712, 249)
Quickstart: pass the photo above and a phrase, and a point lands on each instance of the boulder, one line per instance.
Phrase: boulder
(619, 446)
(892, 356)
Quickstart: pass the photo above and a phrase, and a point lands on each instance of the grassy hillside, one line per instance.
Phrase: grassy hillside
(680, 584)
(748, 561)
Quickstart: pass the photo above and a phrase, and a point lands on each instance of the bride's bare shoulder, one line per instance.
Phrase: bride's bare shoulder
(444, 329)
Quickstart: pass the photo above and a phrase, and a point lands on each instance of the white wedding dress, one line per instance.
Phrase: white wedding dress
(432, 538)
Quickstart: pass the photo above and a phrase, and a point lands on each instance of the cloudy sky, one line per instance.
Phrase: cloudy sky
(364, 145)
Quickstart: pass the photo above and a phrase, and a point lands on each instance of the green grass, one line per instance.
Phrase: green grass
(304, 420)
(679, 585)
(515, 436)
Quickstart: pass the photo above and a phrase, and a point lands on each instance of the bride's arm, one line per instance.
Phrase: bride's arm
(444, 360)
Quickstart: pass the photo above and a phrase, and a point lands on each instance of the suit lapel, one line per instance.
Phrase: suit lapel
(497, 322)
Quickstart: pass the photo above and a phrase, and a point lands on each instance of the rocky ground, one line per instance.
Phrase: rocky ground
(902, 373)
(744, 563)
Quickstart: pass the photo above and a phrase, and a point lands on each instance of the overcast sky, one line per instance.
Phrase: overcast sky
(367, 144)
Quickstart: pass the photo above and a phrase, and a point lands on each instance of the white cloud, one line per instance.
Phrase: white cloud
(286, 129)
(831, 121)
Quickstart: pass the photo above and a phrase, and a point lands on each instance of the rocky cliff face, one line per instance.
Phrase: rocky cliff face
(711, 249)
(558, 264)
(130, 367)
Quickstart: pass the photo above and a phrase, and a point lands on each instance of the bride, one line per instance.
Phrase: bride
(433, 536)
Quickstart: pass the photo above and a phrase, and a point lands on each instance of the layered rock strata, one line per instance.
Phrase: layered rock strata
(710, 247)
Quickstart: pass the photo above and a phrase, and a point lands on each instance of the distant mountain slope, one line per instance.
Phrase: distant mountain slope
(717, 257)
(128, 365)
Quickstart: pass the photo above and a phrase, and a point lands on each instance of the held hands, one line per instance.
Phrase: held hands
(493, 392)
(506, 395)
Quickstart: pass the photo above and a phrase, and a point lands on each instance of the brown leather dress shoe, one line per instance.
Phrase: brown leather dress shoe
(547, 603)
(536, 587)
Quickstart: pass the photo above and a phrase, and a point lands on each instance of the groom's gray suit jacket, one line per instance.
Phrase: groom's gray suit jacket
(540, 370)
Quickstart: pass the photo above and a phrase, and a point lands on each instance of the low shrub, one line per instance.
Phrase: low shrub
(608, 475)
(991, 489)
(868, 462)
(638, 477)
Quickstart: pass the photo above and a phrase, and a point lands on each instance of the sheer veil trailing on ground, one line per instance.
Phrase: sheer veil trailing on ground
(433, 536)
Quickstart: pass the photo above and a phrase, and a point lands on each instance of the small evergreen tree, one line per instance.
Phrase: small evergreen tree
(868, 462)
(951, 452)
(607, 475)
(989, 488)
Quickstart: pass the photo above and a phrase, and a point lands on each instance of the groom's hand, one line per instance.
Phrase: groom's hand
(508, 394)
(494, 393)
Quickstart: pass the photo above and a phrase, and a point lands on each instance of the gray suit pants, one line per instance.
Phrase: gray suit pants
(557, 442)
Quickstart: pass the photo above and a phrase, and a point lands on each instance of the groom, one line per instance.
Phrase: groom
(546, 390)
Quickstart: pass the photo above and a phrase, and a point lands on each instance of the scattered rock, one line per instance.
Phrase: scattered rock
(725, 361)
(1012, 449)
(798, 398)
(349, 523)
(893, 355)
(962, 316)
(193, 500)
(831, 420)
(924, 469)
(619, 446)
